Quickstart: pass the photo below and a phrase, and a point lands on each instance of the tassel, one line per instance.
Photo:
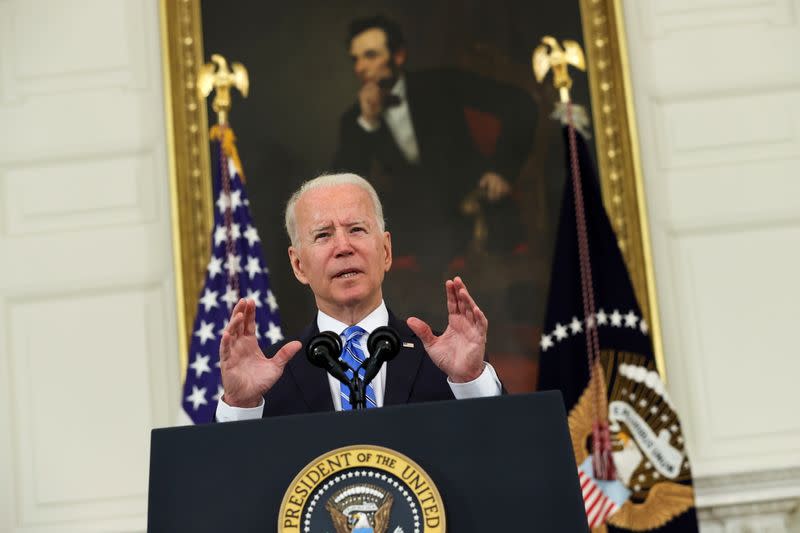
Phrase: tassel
(577, 115)
(602, 458)
(227, 140)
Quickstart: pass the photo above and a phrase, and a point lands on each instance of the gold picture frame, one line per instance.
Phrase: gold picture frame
(189, 160)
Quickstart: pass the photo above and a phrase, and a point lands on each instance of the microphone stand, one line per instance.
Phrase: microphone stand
(358, 392)
(383, 343)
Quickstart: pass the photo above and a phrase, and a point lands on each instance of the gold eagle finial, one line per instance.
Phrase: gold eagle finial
(217, 76)
(558, 59)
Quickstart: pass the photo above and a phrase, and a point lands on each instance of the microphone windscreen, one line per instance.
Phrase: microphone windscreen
(323, 347)
(388, 338)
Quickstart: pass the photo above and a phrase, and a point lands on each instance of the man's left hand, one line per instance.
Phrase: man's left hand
(494, 186)
(459, 351)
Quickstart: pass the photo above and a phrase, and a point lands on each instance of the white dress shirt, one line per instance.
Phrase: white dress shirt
(398, 120)
(487, 384)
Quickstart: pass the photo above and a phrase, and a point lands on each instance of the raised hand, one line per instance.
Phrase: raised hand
(246, 374)
(370, 100)
(494, 186)
(459, 351)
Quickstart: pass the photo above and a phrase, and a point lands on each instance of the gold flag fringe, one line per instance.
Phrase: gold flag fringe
(227, 140)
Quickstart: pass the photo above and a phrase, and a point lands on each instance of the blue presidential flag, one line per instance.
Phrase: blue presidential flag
(596, 349)
(236, 269)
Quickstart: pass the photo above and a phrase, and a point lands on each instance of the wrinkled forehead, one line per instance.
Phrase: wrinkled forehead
(337, 204)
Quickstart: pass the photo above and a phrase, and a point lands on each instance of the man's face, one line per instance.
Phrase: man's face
(341, 252)
(372, 60)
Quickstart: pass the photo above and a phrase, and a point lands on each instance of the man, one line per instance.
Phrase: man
(340, 249)
(408, 133)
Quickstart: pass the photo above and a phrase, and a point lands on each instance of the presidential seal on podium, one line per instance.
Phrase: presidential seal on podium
(362, 489)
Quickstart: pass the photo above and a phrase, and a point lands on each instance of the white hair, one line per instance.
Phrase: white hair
(330, 180)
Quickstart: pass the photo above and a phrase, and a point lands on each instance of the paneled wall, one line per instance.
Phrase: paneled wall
(88, 339)
(717, 94)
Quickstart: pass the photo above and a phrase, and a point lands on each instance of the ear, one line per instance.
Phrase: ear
(400, 57)
(297, 267)
(387, 251)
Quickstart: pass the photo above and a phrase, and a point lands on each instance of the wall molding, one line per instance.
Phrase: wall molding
(128, 71)
(130, 197)
(749, 502)
(747, 488)
(669, 18)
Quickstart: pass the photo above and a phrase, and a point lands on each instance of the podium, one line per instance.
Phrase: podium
(500, 464)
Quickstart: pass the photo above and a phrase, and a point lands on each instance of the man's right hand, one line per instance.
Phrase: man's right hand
(246, 373)
(370, 98)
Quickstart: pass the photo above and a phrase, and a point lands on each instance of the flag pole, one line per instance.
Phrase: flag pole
(216, 76)
(550, 55)
(234, 242)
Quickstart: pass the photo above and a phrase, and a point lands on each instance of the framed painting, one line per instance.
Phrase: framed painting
(467, 161)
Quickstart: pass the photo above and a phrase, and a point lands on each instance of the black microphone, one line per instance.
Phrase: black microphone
(323, 351)
(383, 345)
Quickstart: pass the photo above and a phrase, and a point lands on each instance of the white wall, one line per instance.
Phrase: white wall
(88, 340)
(717, 93)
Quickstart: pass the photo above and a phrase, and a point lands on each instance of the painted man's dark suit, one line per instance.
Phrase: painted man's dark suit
(410, 377)
(422, 200)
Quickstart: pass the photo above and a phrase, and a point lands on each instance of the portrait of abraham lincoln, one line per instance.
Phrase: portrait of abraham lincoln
(436, 105)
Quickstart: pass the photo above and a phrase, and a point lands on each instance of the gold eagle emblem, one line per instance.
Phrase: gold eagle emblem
(217, 76)
(551, 56)
(656, 500)
(352, 506)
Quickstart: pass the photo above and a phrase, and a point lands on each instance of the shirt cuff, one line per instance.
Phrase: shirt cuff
(366, 125)
(228, 413)
(484, 386)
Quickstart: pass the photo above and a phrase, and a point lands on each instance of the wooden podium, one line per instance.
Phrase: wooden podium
(500, 464)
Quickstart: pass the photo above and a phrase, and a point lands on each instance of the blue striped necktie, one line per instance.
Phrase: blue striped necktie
(353, 356)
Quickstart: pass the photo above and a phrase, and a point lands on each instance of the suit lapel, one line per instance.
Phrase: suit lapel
(311, 380)
(402, 370)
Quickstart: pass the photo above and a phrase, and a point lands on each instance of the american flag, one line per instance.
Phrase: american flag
(236, 269)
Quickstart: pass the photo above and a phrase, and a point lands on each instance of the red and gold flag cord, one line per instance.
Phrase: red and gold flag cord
(227, 148)
(602, 460)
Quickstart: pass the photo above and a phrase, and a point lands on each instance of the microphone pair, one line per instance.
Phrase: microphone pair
(324, 349)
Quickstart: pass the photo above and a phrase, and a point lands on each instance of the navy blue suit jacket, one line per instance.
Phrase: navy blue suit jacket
(410, 377)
